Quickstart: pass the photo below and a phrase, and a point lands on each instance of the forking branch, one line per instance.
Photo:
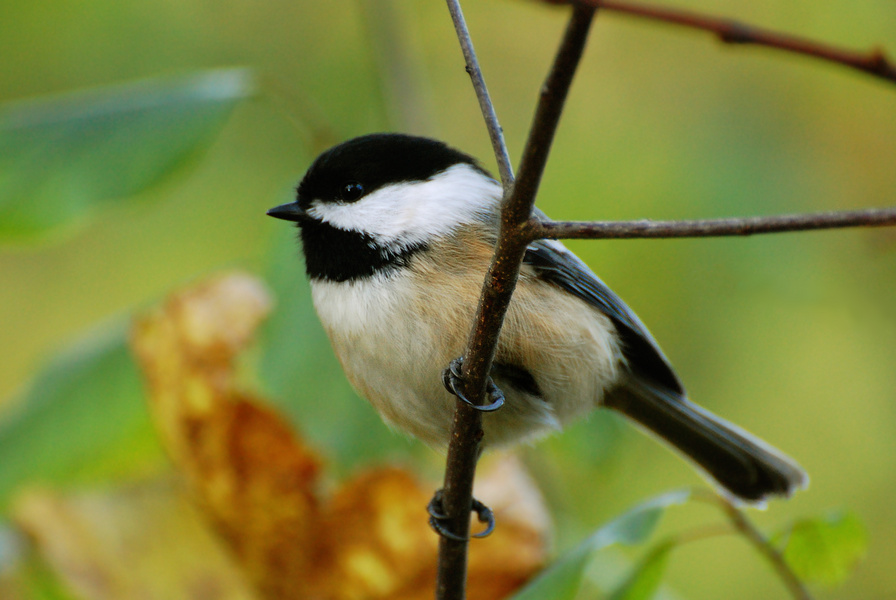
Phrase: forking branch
(519, 228)
(466, 432)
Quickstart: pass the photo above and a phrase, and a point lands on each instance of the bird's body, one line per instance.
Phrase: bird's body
(378, 325)
(398, 232)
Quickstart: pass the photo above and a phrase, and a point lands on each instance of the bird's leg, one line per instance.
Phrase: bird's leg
(437, 518)
(451, 379)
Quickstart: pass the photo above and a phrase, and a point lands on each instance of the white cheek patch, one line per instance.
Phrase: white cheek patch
(416, 211)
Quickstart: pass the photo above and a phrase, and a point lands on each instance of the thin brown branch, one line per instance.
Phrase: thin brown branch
(495, 132)
(466, 433)
(735, 226)
(764, 546)
(873, 62)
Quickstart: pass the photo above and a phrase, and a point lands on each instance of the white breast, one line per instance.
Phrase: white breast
(394, 333)
(358, 308)
(389, 351)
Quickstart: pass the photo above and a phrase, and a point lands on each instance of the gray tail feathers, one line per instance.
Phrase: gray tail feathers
(744, 465)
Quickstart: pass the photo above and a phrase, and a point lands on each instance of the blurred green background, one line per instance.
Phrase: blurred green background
(791, 336)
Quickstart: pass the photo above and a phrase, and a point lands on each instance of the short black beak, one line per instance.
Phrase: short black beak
(289, 212)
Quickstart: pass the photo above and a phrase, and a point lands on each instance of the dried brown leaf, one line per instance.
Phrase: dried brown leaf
(379, 544)
(253, 476)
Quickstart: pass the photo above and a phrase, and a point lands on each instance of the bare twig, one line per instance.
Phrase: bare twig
(500, 281)
(764, 546)
(873, 62)
(495, 132)
(736, 226)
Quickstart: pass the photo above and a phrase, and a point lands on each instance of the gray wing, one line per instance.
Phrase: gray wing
(654, 397)
(555, 264)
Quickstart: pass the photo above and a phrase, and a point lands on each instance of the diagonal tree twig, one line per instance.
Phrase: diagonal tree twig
(466, 433)
(730, 31)
(495, 132)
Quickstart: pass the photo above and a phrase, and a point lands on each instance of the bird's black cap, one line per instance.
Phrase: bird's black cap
(374, 161)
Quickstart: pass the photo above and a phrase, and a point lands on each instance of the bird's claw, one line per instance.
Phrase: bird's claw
(437, 518)
(451, 379)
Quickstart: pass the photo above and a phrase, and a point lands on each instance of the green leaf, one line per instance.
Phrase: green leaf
(645, 580)
(83, 418)
(561, 581)
(826, 549)
(63, 157)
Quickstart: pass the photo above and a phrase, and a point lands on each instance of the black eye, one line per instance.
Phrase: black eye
(351, 191)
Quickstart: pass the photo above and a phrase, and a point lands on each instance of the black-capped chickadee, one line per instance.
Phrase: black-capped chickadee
(398, 232)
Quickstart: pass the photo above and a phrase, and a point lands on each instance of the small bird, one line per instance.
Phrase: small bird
(397, 233)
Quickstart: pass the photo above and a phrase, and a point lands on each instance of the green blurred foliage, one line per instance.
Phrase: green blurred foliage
(62, 157)
(644, 581)
(83, 419)
(562, 579)
(790, 336)
(36, 576)
(825, 550)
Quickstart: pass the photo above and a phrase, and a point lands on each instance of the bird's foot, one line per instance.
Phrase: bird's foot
(438, 518)
(451, 379)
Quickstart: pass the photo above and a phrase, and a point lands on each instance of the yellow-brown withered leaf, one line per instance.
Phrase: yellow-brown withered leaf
(377, 541)
(142, 541)
(253, 476)
(379, 544)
